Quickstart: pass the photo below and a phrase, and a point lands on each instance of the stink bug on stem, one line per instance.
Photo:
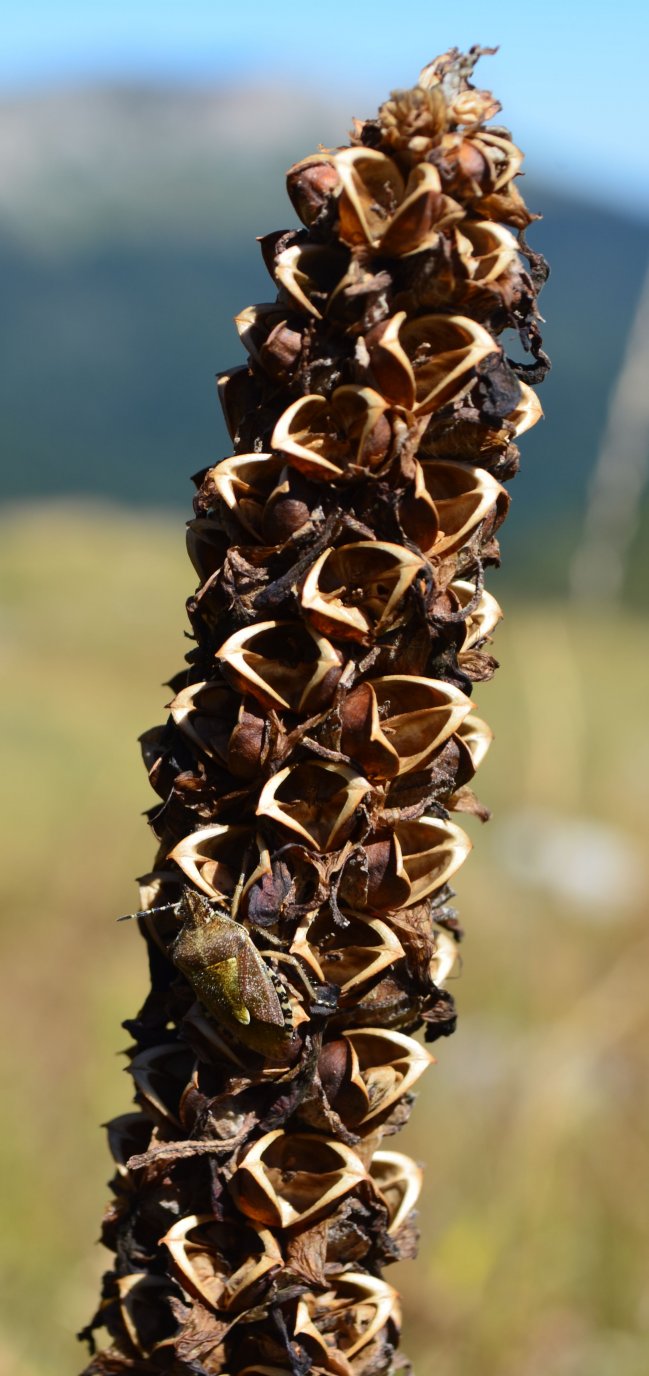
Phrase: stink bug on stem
(226, 971)
(228, 974)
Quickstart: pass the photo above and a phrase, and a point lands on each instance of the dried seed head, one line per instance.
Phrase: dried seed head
(282, 664)
(269, 339)
(393, 725)
(483, 616)
(475, 166)
(472, 107)
(399, 1181)
(287, 1179)
(381, 211)
(145, 1312)
(528, 411)
(348, 435)
(363, 1313)
(358, 589)
(388, 1064)
(411, 122)
(244, 484)
(446, 504)
(423, 364)
(477, 736)
(308, 276)
(317, 800)
(310, 184)
(207, 546)
(128, 1135)
(238, 394)
(222, 727)
(350, 957)
(211, 858)
(418, 858)
(444, 957)
(489, 250)
(205, 1260)
(319, 737)
(160, 1074)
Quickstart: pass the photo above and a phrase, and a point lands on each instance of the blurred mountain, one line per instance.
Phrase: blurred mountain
(109, 166)
(127, 225)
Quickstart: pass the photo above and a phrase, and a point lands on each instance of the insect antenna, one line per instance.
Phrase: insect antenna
(150, 912)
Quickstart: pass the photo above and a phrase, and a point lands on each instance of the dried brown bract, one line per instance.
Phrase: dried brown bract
(320, 735)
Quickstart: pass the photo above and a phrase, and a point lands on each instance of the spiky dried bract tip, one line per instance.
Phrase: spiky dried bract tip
(319, 740)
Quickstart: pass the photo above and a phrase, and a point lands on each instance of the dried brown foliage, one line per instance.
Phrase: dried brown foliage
(297, 916)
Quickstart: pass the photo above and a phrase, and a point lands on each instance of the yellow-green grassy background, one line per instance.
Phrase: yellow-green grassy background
(533, 1123)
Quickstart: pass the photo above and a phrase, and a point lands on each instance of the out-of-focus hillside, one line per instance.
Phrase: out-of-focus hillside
(533, 1122)
(127, 227)
(101, 166)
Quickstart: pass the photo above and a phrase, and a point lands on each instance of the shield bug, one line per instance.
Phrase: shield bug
(228, 974)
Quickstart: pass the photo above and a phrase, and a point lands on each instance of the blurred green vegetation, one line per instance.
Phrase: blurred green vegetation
(532, 1124)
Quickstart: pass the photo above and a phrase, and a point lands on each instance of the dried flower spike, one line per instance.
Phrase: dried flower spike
(319, 736)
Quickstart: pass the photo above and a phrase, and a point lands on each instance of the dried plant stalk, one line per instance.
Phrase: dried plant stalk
(297, 916)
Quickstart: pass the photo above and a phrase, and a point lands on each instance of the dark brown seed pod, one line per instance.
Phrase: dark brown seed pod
(320, 735)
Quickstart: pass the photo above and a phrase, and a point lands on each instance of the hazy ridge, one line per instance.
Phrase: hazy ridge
(128, 219)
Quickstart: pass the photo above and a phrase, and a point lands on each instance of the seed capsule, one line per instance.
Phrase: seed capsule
(287, 1179)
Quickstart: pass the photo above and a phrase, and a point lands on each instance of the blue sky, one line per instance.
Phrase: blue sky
(570, 75)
